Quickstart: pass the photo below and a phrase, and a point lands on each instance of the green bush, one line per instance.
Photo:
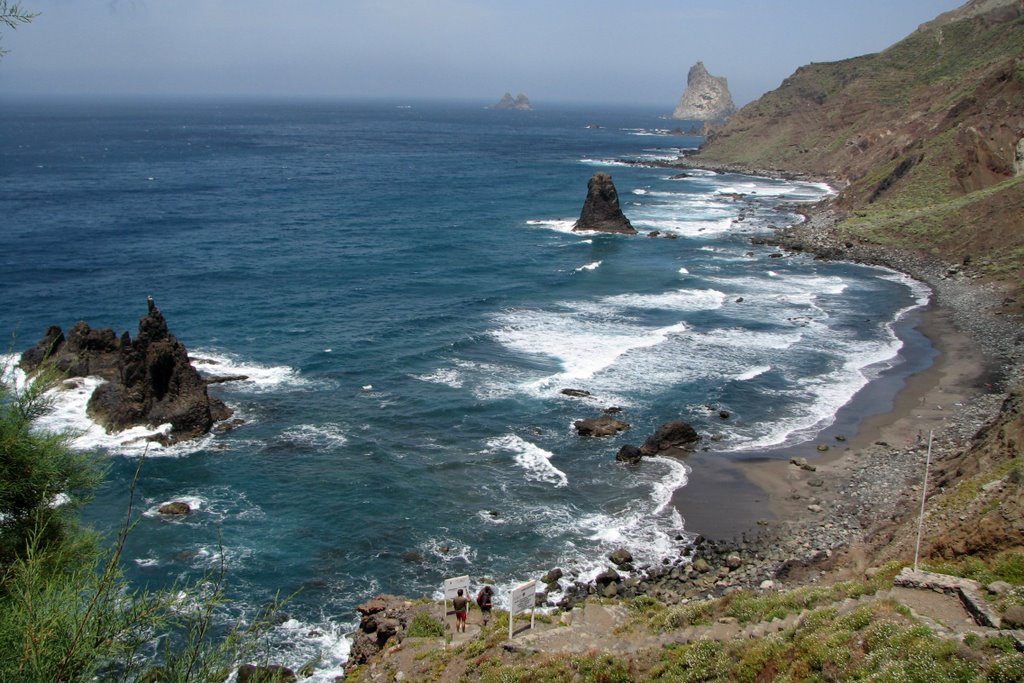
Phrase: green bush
(425, 626)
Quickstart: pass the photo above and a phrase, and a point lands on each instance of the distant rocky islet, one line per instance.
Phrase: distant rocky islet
(706, 98)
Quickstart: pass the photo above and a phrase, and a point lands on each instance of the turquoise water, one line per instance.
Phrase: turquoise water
(402, 287)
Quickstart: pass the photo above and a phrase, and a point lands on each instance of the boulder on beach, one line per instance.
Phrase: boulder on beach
(605, 425)
(149, 380)
(601, 212)
(675, 434)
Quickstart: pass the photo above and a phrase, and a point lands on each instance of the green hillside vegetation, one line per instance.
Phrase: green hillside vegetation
(922, 138)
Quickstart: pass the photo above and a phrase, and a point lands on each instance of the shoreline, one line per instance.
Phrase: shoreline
(762, 521)
(761, 486)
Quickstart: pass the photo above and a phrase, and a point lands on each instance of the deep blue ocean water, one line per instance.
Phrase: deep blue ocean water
(402, 287)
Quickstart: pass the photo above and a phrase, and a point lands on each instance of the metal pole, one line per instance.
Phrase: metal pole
(924, 491)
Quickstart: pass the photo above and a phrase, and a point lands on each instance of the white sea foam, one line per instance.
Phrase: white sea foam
(317, 436)
(752, 373)
(685, 228)
(590, 266)
(296, 643)
(261, 378)
(684, 271)
(584, 345)
(447, 376)
(533, 459)
(679, 300)
(604, 162)
(556, 224)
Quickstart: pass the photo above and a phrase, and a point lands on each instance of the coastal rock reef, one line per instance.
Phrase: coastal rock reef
(706, 98)
(149, 380)
(520, 102)
(601, 211)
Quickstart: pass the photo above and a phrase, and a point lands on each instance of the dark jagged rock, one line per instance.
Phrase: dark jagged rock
(675, 434)
(601, 212)
(520, 102)
(604, 425)
(629, 453)
(149, 380)
(577, 393)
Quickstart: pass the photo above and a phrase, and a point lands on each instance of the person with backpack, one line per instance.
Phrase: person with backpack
(485, 600)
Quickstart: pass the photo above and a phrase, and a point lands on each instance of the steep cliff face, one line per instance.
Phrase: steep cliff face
(923, 135)
(706, 97)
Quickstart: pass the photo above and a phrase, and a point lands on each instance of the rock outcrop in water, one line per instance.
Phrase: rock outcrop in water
(601, 212)
(149, 380)
(520, 102)
(706, 97)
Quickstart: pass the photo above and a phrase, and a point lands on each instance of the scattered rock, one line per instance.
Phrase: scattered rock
(802, 464)
(576, 393)
(675, 434)
(552, 576)
(605, 425)
(999, 588)
(733, 561)
(822, 447)
(629, 453)
(1013, 617)
(621, 557)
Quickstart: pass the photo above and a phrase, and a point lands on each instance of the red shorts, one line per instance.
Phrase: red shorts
(461, 616)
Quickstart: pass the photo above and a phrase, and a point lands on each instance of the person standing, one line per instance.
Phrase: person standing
(461, 605)
(485, 600)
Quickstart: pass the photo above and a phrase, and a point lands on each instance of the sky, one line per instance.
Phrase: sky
(558, 51)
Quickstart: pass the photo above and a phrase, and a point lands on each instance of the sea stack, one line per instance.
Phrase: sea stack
(706, 97)
(520, 102)
(149, 380)
(601, 212)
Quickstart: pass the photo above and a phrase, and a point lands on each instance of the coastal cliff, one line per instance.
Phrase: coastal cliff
(706, 98)
(925, 140)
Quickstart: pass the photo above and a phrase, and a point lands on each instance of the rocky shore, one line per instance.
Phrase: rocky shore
(835, 513)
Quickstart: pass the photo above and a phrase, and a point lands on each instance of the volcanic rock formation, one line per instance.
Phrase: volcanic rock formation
(601, 212)
(520, 101)
(149, 381)
(706, 97)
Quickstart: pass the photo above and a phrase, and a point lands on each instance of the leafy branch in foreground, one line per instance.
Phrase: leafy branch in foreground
(11, 14)
(67, 613)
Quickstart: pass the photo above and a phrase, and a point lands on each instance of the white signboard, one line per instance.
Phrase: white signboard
(522, 598)
(452, 586)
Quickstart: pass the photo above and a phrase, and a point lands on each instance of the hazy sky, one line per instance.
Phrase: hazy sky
(626, 51)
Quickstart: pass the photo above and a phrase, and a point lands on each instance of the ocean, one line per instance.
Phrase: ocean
(400, 284)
